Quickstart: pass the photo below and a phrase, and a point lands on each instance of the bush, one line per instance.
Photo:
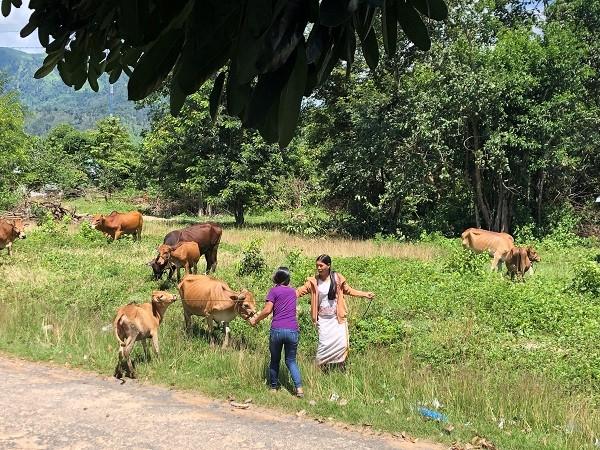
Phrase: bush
(587, 279)
(464, 261)
(88, 233)
(253, 261)
(563, 231)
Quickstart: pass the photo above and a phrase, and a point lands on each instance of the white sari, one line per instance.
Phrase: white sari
(333, 336)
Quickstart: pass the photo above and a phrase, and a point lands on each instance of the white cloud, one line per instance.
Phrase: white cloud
(11, 26)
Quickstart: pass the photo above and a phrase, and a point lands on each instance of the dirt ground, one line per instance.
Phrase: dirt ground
(46, 406)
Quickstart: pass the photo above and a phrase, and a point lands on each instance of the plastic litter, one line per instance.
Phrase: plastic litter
(432, 415)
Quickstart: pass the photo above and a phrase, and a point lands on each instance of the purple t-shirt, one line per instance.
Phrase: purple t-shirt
(284, 307)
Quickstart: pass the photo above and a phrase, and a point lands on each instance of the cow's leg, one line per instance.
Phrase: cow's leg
(146, 353)
(178, 274)
(126, 351)
(211, 260)
(187, 317)
(9, 247)
(495, 262)
(155, 343)
(118, 234)
(226, 339)
(171, 270)
(209, 323)
(139, 234)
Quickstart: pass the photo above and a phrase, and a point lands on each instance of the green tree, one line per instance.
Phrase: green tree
(13, 156)
(115, 158)
(190, 158)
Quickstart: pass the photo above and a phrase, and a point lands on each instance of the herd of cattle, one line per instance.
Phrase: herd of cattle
(204, 295)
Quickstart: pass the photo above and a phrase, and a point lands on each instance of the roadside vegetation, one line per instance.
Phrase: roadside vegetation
(516, 363)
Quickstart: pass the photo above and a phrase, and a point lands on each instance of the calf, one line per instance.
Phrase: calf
(117, 224)
(518, 262)
(206, 235)
(11, 230)
(135, 322)
(184, 254)
(202, 295)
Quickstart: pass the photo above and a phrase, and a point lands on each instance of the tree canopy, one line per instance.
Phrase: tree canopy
(267, 63)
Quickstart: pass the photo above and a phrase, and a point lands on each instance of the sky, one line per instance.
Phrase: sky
(11, 26)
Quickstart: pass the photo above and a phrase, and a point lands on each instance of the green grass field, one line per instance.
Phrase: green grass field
(517, 363)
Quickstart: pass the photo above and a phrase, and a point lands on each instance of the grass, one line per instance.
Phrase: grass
(516, 363)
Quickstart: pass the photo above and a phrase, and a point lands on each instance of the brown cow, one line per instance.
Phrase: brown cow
(206, 235)
(116, 224)
(202, 295)
(11, 230)
(496, 244)
(517, 262)
(137, 323)
(184, 254)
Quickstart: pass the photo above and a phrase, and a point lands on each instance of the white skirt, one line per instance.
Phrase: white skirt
(333, 341)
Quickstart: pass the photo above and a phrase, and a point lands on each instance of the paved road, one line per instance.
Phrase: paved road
(44, 406)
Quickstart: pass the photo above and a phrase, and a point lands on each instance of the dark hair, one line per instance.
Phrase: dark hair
(326, 259)
(282, 276)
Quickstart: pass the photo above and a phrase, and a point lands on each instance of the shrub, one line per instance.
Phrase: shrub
(253, 261)
(563, 230)
(88, 233)
(464, 261)
(587, 278)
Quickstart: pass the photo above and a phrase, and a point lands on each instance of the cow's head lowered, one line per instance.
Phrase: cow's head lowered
(533, 255)
(97, 221)
(159, 264)
(245, 304)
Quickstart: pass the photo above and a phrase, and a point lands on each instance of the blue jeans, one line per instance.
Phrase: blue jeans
(287, 339)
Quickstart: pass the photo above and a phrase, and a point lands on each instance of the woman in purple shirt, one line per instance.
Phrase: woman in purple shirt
(281, 301)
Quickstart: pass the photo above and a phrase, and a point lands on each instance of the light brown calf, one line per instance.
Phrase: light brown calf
(11, 230)
(184, 254)
(135, 322)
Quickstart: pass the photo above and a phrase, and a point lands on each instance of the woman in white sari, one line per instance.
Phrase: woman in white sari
(329, 311)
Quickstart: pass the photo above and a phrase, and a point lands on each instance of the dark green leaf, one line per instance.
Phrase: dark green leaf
(93, 82)
(434, 9)
(129, 21)
(176, 98)
(44, 70)
(6, 5)
(291, 97)
(413, 26)
(17, 3)
(114, 75)
(154, 65)
(333, 13)
(371, 50)
(238, 95)
(215, 95)
(389, 26)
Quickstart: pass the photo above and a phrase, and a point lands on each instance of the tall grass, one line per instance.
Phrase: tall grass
(515, 363)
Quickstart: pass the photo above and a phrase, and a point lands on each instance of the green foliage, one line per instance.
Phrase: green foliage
(253, 261)
(193, 41)
(115, 160)
(464, 261)
(88, 233)
(587, 279)
(377, 332)
(562, 233)
(308, 222)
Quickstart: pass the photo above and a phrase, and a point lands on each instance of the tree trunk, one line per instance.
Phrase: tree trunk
(540, 197)
(238, 213)
(485, 212)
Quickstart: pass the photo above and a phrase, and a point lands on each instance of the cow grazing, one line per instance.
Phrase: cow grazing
(202, 295)
(117, 224)
(11, 230)
(206, 235)
(183, 254)
(518, 262)
(135, 322)
(496, 244)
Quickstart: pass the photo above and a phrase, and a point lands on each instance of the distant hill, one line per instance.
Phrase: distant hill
(50, 102)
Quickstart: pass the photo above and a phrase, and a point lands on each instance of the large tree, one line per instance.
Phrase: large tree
(261, 46)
